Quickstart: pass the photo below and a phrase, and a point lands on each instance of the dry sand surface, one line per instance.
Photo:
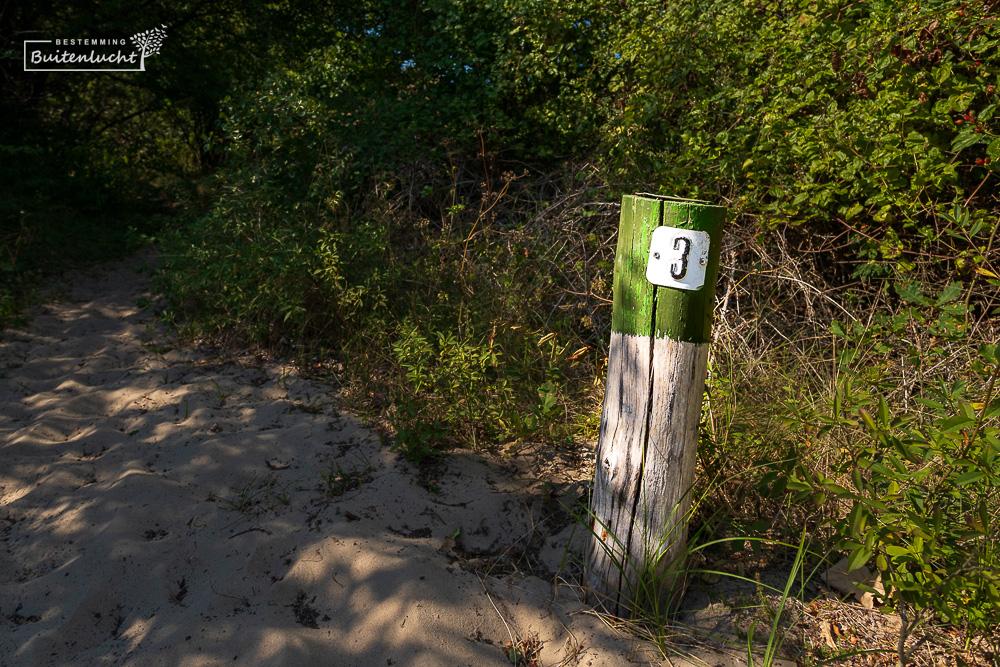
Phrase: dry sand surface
(159, 507)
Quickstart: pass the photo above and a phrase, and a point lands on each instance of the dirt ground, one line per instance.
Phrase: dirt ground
(159, 506)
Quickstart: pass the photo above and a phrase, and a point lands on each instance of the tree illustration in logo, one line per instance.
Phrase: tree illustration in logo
(148, 42)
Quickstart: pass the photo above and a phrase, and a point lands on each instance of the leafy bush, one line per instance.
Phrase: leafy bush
(866, 122)
(921, 498)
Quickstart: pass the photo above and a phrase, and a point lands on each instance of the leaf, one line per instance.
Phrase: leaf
(869, 422)
(941, 73)
(967, 478)
(956, 423)
(911, 293)
(949, 293)
(858, 558)
(857, 479)
(986, 272)
(795, 484)
(835, 488)
(964, 139)
(993, 150)
(858, 519)
(961, 101)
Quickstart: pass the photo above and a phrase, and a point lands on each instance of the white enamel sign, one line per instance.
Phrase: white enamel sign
(678, 258)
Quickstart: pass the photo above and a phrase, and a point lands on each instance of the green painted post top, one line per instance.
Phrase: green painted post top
(644, 309)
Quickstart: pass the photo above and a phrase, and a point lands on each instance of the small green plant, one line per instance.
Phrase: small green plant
(337, 480)
(776, 631)
(220, 395)
(259, 496)
(417, 438)
(542, 411)
(310, 406)
(454, 376)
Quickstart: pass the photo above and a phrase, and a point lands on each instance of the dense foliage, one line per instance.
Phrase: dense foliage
(425, 192)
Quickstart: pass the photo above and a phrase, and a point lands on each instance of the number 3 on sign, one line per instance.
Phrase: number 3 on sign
(678, 258)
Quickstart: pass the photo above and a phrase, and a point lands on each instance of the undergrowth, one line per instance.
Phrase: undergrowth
(874, 426)
(480, 326)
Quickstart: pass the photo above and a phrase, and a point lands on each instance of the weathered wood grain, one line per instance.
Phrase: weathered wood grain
(617, 483)
(645, 466)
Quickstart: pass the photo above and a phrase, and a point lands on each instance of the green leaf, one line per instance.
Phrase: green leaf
(956, 423)
(869, 422)
(858, 518)
(993, 150)
(858, 558)
(960, 102)
(966, 138)
(896, 551)
(967, 478)
(835, 488)
(853, 211)
(795, 484)
(857, 479)
(911, 293)
(949, 293)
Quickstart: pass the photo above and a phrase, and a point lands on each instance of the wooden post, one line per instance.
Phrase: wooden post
(657, 363)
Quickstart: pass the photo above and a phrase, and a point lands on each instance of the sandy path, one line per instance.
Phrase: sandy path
(160, 508)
